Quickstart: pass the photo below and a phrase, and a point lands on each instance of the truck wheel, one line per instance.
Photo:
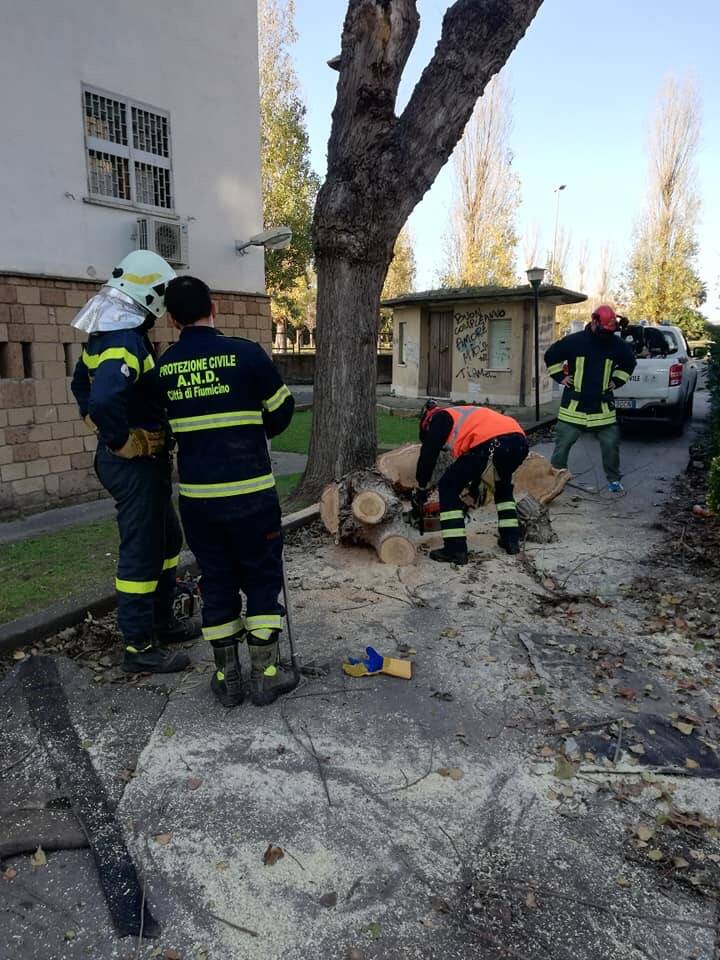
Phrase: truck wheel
(689, 406)
(676, 426)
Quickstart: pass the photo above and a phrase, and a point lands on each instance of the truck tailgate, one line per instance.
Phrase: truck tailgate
(649, 379)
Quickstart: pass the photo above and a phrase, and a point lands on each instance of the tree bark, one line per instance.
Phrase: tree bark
(379, 168)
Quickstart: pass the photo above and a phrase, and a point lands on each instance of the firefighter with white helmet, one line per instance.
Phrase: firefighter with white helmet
(116, 388)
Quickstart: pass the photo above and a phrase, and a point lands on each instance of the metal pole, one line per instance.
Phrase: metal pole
(536, 290)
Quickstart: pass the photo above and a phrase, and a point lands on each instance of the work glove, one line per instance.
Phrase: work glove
(419, 498)
(375, 662)
(142, 443)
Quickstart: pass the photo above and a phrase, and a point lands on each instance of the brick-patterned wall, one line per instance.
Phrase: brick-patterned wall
(46, 452)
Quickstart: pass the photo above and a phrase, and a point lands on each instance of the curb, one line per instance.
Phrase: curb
(72, 610)
(541, 424)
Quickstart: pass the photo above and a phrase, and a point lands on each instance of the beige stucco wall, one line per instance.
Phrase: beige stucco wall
(473, 378)
(406, 376)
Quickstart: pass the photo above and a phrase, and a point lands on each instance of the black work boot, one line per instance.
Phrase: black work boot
(443, 555)
(150, 658)
(226, 682)
(177, 631)
(269, 679)
(509, 540)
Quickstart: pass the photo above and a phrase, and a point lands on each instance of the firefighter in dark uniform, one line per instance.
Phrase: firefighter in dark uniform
(115, 384)
(474, 437)
(590, 365)
(224, 398)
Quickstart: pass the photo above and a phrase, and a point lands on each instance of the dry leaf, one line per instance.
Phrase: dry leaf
(456, 773)
(10, 873)
(626, 692)
(547, 752)
(637, 748)
(272, 855)
(644, 833)
(686, 728)
(530, 900)
(171, 955)
(194, 782)
(163, 838)
(70, 934)
(655, 854)
(169, 730)
(622, 881)
(564, 770)
(222, 865)
(38, 859)
(691, 764)
(680, 863)
(18, 655)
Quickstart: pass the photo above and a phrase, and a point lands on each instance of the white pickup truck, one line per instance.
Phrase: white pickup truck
(662, 387)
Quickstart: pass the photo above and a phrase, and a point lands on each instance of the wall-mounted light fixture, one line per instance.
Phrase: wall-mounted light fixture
(277, 238)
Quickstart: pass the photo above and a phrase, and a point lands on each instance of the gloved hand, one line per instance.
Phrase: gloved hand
(419, 498)
(89, 424)
(142, 443)
(375, 662)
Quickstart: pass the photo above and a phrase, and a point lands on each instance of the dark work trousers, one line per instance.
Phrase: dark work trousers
(507, 452)
(241, 552)
(150, 540)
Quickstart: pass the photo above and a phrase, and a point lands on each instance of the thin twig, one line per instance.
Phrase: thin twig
(287, 853)
(618, 748)
(389, 596)
(142, 919)
(311, 752)
(452, 843)
(234, 926)
(16, 763)
(413, 783)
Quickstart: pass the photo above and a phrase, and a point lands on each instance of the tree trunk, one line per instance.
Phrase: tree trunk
(379, 167)
(343, 433)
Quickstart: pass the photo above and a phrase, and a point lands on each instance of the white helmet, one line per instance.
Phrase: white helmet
(143, 276)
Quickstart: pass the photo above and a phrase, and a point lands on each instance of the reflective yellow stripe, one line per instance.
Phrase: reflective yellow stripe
(579, 373)
(508, 523)
(452, 515)
(131, 649)
(220, 675)
(171, 562)
(237, 487)
(506, 505)
(236, 418)
(148, 363)
(142, 281)
(270, 671)
(453, 532)
(262, 634)
(586, 419)
(621, 376)
(555, 368)
(277, 399)
(222, 630)
(270, 621)
(93, 361)
(606, 374)
(136, 586)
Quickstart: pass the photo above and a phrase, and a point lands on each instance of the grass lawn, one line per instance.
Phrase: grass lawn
(392, 431)
(38, 572)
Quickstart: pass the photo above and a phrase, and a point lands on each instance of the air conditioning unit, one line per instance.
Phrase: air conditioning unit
(165, 237)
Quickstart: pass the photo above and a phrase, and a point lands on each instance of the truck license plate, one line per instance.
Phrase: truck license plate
(625, 404)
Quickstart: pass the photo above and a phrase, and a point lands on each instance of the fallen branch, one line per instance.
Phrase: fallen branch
(531, 650)
(413, 783)
(234, 926)
(16, 763)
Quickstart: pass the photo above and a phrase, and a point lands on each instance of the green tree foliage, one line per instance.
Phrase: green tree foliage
(481, 245)
(661, 282)
(400, 278)
(289, 183)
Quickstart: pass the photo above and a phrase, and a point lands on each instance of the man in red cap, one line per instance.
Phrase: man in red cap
(590, 365)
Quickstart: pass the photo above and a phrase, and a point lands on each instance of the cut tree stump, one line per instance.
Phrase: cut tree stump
(362, 507)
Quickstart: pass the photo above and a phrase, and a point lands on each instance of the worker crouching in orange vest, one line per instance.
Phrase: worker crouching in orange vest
(474, 437)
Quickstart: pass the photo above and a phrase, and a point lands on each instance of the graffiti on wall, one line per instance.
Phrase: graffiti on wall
(470, 329)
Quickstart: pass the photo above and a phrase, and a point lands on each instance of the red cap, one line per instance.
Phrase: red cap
(606, 318)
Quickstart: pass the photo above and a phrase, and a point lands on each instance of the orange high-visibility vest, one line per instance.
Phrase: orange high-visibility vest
(475, 425)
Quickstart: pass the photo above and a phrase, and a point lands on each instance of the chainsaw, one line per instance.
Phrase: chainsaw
(426, 519)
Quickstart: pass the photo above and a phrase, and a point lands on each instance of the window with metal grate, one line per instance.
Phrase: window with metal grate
(127, 146)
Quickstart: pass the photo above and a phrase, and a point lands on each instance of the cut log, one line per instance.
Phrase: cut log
(330, 507)
(392, 543)
(534, 517)
(540, 479)
(399, 466)
(363, 508)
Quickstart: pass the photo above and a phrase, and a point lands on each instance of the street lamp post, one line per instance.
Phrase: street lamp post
(535, 277)
(557, 191)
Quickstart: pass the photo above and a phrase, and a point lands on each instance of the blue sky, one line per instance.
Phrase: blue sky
(585, 80)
